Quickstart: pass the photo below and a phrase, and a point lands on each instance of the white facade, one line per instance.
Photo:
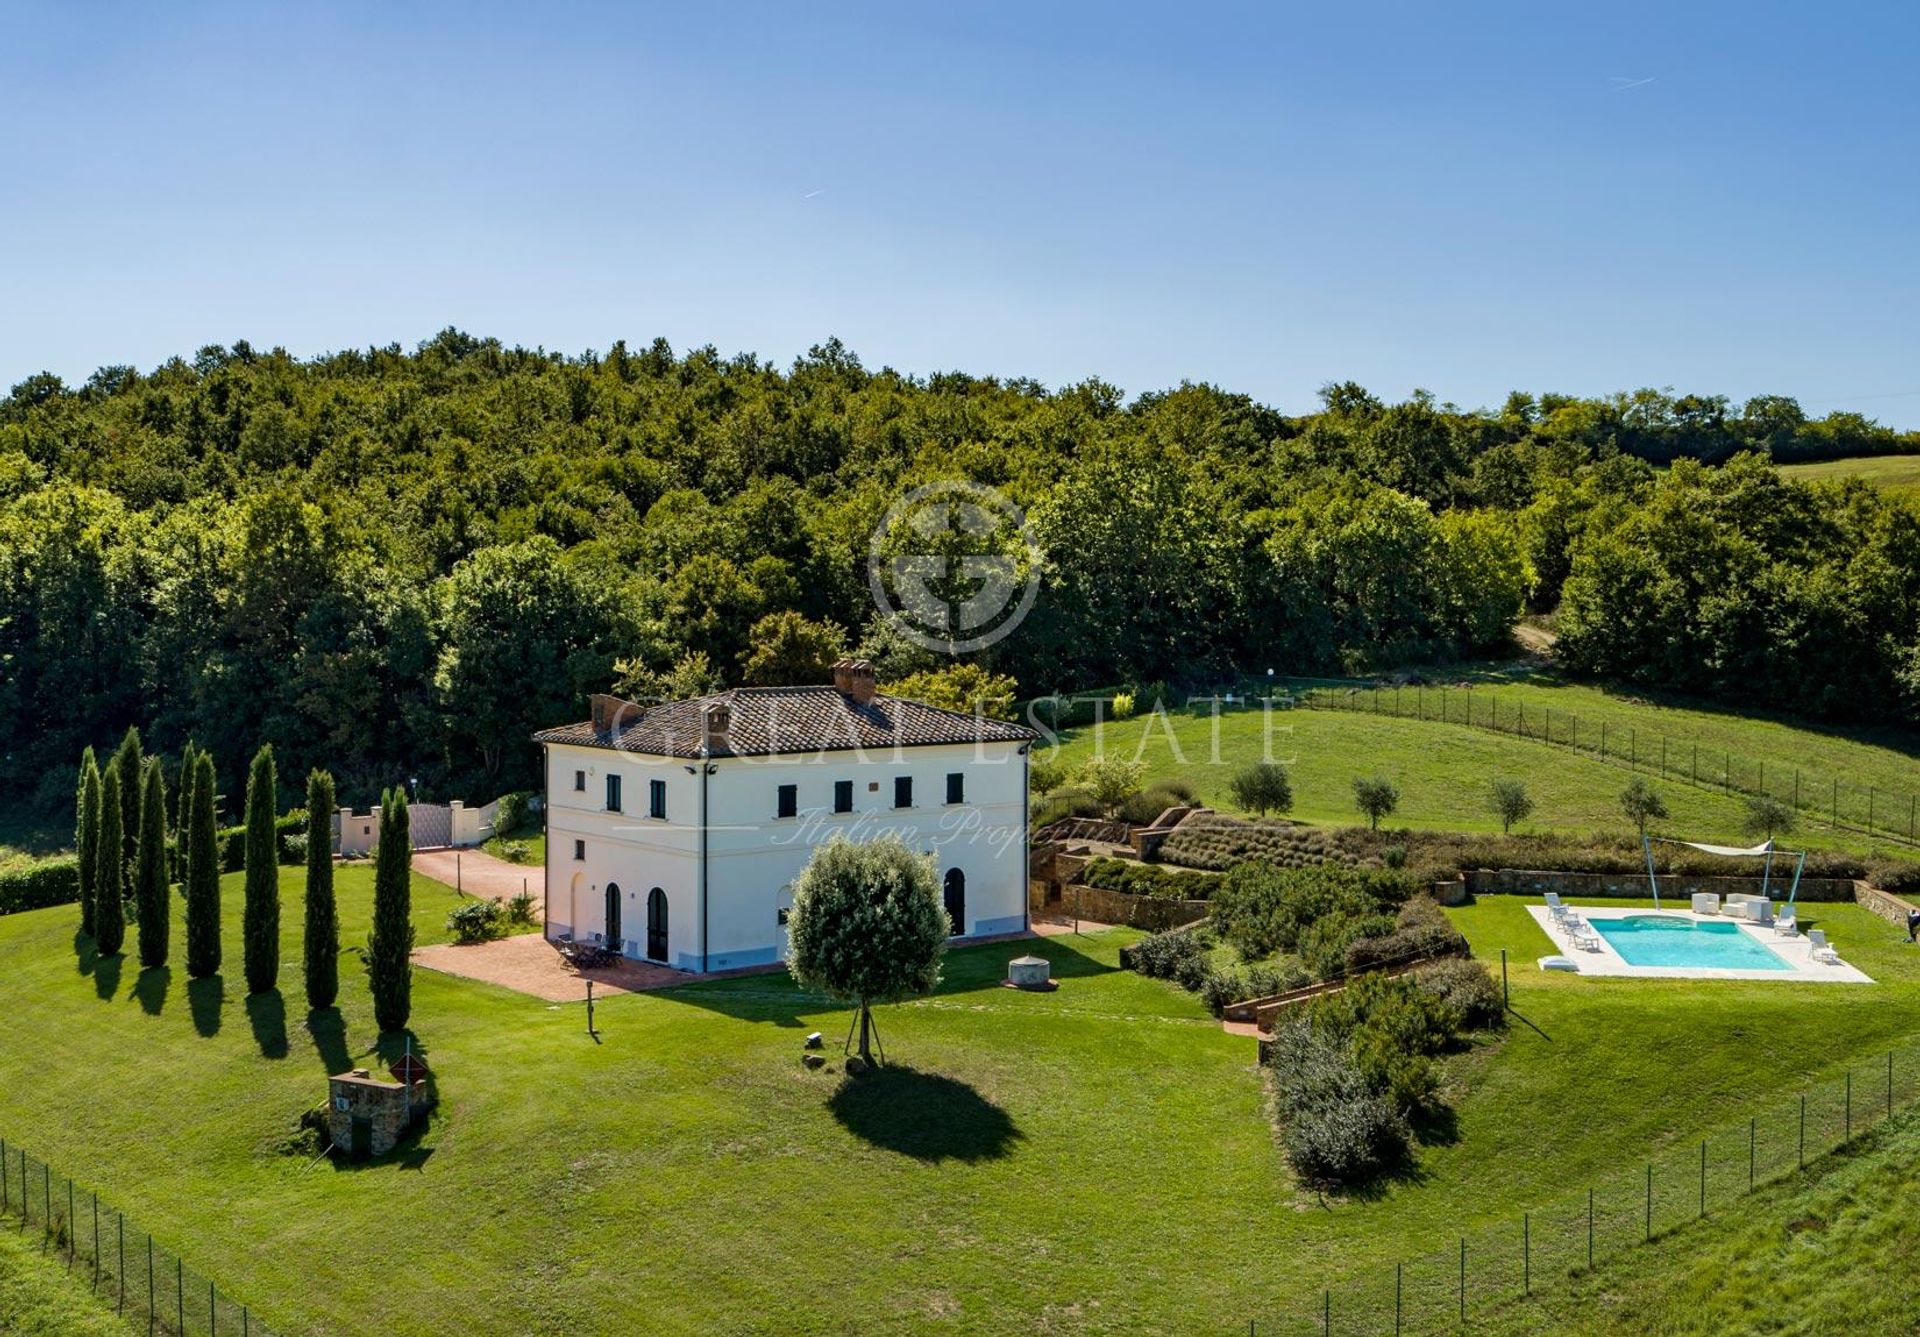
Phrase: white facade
(723, 858)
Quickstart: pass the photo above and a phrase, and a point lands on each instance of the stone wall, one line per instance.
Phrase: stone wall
(1535, 882)
(1884, 903)
(1102, 906)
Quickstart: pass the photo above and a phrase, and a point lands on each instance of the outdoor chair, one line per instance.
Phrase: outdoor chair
(1822, 949)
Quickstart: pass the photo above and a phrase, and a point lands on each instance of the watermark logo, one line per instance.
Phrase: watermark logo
(955, 566)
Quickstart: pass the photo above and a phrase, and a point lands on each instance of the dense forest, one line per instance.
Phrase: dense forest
(399, 564)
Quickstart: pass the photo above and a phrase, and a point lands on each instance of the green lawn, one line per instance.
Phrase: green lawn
(1895, 473)
(1831, 1251)
(40, 1298)
(1443, 767)
(1093, 1160)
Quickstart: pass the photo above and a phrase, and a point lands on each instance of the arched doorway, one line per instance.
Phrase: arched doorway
(955, 894)
(613, 913)
(656, 925)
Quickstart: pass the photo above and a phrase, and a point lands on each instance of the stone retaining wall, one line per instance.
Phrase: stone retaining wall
(1884, 903)
(1102, 906)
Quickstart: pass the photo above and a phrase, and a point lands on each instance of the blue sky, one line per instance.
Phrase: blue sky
(1464, 197)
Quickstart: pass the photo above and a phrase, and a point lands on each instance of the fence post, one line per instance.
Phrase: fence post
(1326, 1313)
(180, 1291)
(122, 1221)
(1526, 1253)
(46, 1197)
(1589, 1228)
(1603, 740)
(1889, 1083)
(96, 1242)
(1849, 1136)
(1796, 787)
(1649, 1202)
(73, 1238)
(1803, 1130)
(1506, 994)
(150, 1322)
(1463, 1281)
(1693, 772)
(1753, 1133)
(1836, 803)
(1703, 1177)
(1870, 793)
(1398, 1270)
(6, 1183)
(213, 1312)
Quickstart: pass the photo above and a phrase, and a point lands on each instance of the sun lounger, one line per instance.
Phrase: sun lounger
(1822, 949)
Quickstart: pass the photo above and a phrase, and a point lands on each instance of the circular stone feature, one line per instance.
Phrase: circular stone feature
(1030, 972)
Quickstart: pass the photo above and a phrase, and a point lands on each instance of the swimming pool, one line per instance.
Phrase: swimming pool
(1663, 940)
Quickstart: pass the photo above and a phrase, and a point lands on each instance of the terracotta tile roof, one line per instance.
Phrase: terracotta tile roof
(765, 720)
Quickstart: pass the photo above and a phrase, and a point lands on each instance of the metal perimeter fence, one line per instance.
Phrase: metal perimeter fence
(1868, 809)
(143, 1280)
(1473, 1274)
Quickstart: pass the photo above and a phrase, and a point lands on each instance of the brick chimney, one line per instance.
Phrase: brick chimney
(854, 679)
(716, 725)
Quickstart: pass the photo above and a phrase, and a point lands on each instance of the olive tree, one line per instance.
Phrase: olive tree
(1510, 802)
(1376, 797)
(1262, 787)
(867, 925)
(1768, 816)
(1642, 803)
(1112, 781)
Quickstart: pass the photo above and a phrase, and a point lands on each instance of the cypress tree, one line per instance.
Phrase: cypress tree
(151, 884)
(109, 868)
(262, 914)
(86, 836)
(323, 924)
(389, 969)
(202, 874)
(132, 761)
(183, 819)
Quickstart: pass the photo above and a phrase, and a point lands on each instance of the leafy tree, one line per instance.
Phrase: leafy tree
(260, 934)
(867, 924)
(1112, 780)
(1376, 797)
(390, 944)
(132, 767)
(110, 868)
(86, 836)
(202, 874)
(151, 884)
(968, 688)
(1767, 816)
(1642, 803)
(323, 926)
(786, 648)
(1509, 800)
(1045, 774)
(1262, 787)
(689, 676)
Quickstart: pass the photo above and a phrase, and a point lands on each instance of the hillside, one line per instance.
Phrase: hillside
(1443, 764)
(1894, 473)
(40, 1298)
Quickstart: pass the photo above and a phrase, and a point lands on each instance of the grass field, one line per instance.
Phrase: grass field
(1093, 1160)
(1832, 1251)
(1443, 766)
(40, 1298)
(1895, 473)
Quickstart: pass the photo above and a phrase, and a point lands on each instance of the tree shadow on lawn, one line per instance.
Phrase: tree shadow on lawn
(85, 954)
(106, 975)
(924, 1115)
(150, 987)
(267, 1011)
(205, 998)
(329, 1032)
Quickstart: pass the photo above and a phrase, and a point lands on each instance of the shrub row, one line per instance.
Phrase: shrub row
(1138, 879)
(290, 839)
(1420, 929)
(34, 884)
(1217, 842)
(1185, 957)
(1355, 1069)
(1316, 912)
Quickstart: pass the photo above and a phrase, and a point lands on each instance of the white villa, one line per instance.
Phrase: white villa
(675, 831)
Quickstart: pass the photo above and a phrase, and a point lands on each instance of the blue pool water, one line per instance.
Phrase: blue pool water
(1662, 940)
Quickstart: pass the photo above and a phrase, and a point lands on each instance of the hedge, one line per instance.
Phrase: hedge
(289, 836)
(36, 884)
(1138, 879)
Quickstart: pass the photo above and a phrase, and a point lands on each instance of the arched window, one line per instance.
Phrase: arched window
(613, 913)
(656, 925)
(955, 895)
